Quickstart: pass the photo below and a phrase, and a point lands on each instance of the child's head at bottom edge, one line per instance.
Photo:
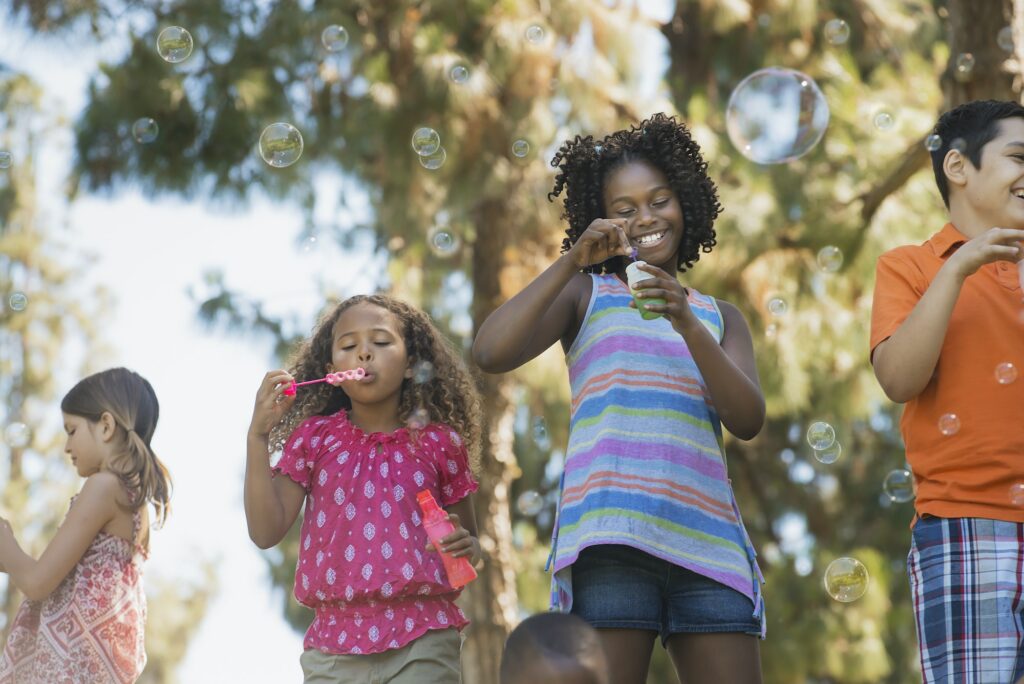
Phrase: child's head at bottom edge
(550, 648)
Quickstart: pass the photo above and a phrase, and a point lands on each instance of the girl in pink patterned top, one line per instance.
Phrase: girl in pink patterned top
(84, 617)
(357, 455)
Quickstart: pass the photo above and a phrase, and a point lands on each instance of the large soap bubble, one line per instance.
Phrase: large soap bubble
(776, 115)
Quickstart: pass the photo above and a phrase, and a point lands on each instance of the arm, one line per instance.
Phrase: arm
(271, 503)
(464, 541)
(905, 362)
(533, 320)
(95, 506)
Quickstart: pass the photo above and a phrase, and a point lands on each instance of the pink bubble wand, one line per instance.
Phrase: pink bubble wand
(333, 378)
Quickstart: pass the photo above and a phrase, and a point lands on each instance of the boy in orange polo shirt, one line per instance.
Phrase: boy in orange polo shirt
(947, 340)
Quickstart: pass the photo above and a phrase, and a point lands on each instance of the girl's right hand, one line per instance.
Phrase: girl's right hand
(271, 403)
(602, 240)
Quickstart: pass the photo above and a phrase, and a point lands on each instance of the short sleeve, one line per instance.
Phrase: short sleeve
(298, 456)
(456, 478)
(899, 286)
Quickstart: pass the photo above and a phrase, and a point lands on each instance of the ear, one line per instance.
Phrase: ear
(955, 168)
(107, 426)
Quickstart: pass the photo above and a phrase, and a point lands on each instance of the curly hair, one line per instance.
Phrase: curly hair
(450, 396)
(584, 166)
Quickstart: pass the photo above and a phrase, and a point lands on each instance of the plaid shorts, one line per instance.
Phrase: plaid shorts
(967, 582)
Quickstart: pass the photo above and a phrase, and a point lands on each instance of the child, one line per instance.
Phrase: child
(553, 648)
(648, 538)
(947, 339)
(384, 609)
(84, 616)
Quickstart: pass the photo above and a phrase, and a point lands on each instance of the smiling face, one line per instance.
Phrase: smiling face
(370, 337)
(88, 443)
(991, 195)
(641, 194)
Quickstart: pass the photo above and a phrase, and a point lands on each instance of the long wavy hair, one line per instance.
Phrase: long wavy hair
(584, 166)
(450, 396)
(130, 400)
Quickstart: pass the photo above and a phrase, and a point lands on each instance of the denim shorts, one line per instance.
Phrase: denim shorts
(621, 587)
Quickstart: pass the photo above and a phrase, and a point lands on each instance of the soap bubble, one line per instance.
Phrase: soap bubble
(540, 434)
(530, 503)
(5, 159)
(459, 74)
(1006, 373)
(899, 485)
(776, 115)
(884, 120)
(174, 44)
(958, 144)
(434, 161)
(1017, 494)
(949, 424)
(964, 66)
(830, 258)
(334, 38)
(422, 372)
(829, 454)
(1005, 38)
(535, 34)
(846, 579)
(520, 148)
(777, 306)
(771, 330)
(425, 141)
(442, 241)
(820, 435)
(17, 435)
(837, 32)
(932, 142)
(418, 419)
(280, 144)
(145, 130)
(17, 301)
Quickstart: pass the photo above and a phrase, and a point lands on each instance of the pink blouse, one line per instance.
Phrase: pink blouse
(362, 566)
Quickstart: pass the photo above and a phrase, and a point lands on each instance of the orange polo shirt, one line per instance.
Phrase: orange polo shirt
(972, 473)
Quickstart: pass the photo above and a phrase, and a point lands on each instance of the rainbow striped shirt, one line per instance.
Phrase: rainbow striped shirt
(645, 465)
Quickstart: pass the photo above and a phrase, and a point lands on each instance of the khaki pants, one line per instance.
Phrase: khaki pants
(434, 658)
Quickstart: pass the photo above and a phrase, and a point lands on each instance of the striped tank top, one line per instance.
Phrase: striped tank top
(645, 465)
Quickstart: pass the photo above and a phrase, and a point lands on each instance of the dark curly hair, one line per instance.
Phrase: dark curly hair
(450, 396)
(663, 142)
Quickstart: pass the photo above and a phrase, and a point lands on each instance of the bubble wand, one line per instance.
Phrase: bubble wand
(332, 378)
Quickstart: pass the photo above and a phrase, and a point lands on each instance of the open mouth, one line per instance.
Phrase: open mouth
(650, 239)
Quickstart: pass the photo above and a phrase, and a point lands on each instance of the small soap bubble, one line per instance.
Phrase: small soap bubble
(776, 115)
(830, 258)
(777, 306)
(1017, 494)
(425, 141)
(17, 435)
(434, 161)
(958, 144)
(829, 454)
(837, 32)
(309, 244)
(1005, 38)
(174, 44)
(334, 38)
(17, 301)
(884, 121)
(846, 579)
(520, 148)
(529, 503)
(821, 435)
(899, 485)
(949, 424)
(540, 434)
(771, 330)
(1006, 373)
(932, 142)
(145, 130)
(442, 241)
(964, 66)
(419, 418)
(280, 144)
(535, 34)
(459, 74)
(6, 158)
(422, 372)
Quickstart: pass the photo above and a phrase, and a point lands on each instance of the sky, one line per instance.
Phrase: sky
(148, 253)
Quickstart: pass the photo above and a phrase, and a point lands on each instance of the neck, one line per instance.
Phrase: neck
(968, 221)
(381, 416)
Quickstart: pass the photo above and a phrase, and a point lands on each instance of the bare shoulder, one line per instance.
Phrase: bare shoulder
(730, 314)
(100, 495)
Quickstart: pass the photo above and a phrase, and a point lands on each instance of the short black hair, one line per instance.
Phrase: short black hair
(968, 128)
(663, 142)
(559, 638)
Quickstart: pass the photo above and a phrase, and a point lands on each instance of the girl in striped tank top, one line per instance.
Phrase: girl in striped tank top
(648, 540)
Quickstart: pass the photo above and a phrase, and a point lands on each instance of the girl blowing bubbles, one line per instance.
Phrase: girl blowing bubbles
(384, 607)
(648, 539)
(85, 613)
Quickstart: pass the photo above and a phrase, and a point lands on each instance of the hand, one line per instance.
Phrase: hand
(271, 403)
(676, 307)
(995, 244)
(460, 543)
(603, 239)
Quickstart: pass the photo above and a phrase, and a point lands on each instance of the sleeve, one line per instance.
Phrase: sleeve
(456, 479)
(899, 286)
(298, 456)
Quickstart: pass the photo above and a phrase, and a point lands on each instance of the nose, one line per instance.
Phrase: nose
(644, 217)
(365, 352)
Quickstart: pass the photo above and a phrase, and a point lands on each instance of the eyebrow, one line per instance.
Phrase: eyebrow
(374, 330)
(1016, 143)
(651, 191)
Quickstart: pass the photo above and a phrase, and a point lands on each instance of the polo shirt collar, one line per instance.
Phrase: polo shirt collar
(945, 240)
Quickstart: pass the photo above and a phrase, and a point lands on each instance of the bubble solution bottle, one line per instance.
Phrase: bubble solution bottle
(633, 276)
(437, 526)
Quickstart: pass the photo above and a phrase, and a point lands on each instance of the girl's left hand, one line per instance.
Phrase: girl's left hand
(676, 307)
(460, 543)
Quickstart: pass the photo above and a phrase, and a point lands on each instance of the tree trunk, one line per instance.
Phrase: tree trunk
(493, 597)
(974, 29)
